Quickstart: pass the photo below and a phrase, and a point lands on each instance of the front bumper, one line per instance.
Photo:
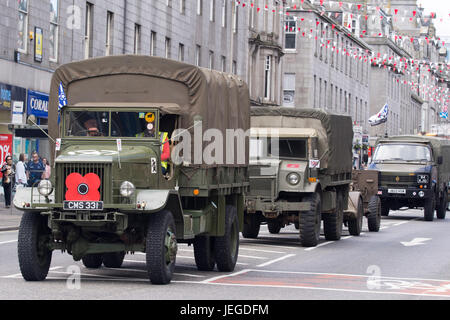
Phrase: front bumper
(278, 207)
(410, 193)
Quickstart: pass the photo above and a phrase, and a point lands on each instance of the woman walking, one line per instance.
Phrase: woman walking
(8, 171)
(47, 170)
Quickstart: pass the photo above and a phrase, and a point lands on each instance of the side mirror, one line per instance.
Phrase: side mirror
(440, 160)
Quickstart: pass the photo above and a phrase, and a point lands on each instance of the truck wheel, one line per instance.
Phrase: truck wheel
(309, 222)
(32, 246)
(374, 216)
(443, 204)
(226, 248)
(355, 225)
(296, 225)
(251, 226)
(428, 209)
(384, 209)
(113, 259)
(204, 253)
(274, 227)
(92, 260)
(333, 222)
(161, 247)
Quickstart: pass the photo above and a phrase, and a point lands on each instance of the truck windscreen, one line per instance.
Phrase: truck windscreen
(402, 152)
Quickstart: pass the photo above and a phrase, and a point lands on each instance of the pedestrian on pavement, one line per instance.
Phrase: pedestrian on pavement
(21, 176)
(8, 178)
(35, 169)
(47, 169)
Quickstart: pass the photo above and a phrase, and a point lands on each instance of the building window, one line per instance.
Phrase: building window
(181, 52)
(251, 17)
(212, 10)
(54, 30)
(153, 43)
(223, 62)
(289, 89)
(22, 26)
(224, 13)
(211, 59)
(267, 77)
(197, 55)
(183, 6)
(169, 3)
(167, 48)
(315, 92)
(199, 7)
(137, 39)
(290, 33)
(88, 27)
(109, 33)
(234, 67)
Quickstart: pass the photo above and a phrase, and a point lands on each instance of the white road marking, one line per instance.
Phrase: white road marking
(319, 245)
(225, 276)
(10, 241)
(415, 242)
(276, 260)
(20, 274)
(260, 250)
(252, 257)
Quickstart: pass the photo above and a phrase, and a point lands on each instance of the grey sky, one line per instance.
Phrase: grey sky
(442, 9)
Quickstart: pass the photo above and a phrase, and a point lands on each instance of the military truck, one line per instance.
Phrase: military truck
(300, 172)
(111, 193)
(414, 172)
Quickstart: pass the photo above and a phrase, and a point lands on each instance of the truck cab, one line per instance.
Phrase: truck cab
(412, 174)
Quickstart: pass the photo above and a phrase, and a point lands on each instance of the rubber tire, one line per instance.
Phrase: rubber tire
(158, 270)
(384, 209)
(225, 251)
(310, 221)
(296, 225)
(374, 216)
(274, 227)
(441, 210)
(32, 267)
(252, 225)
(355, 225)
(204, 253)
(428, 209)
(333, 222)
(113, 259)
(92, 260)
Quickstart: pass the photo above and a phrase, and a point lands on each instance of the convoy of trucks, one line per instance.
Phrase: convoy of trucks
(150, 153)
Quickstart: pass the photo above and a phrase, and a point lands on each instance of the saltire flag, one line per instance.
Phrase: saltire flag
(62, 100)
(380, 117)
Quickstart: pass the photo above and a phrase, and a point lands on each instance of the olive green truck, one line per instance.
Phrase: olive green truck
(300, 173)
(112, 193)
(414, 172)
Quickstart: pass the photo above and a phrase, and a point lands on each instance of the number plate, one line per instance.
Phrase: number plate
(397, 191)
(83, 205)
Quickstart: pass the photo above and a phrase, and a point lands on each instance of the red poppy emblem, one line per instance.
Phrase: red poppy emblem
(81, 188)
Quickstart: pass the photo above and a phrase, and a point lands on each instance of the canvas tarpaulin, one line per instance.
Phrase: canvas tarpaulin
(220, 99)
(335, 132)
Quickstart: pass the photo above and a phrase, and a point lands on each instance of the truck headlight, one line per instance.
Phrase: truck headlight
(293, 178)
(45, 188)
(422, 179)
(127, 189)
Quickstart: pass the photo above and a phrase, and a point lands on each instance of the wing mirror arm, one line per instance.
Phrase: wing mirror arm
(31, 120)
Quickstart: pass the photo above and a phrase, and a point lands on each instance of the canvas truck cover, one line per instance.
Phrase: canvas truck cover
(440, 146)
(220, 99)
(335, 132)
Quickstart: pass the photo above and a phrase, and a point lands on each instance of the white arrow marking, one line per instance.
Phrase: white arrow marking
(415, 242)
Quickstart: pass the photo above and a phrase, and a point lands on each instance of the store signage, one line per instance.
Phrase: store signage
(38, 40)
(17, 112)
(37, 104)
(5, 146)
(9, 93)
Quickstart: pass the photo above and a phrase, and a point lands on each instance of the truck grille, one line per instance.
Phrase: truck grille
(401, 179)
(262, 186)
(101, 169)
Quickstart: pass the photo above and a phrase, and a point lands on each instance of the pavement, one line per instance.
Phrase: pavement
(9, 218)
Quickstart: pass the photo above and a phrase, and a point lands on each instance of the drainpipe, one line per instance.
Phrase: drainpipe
(125, 9)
